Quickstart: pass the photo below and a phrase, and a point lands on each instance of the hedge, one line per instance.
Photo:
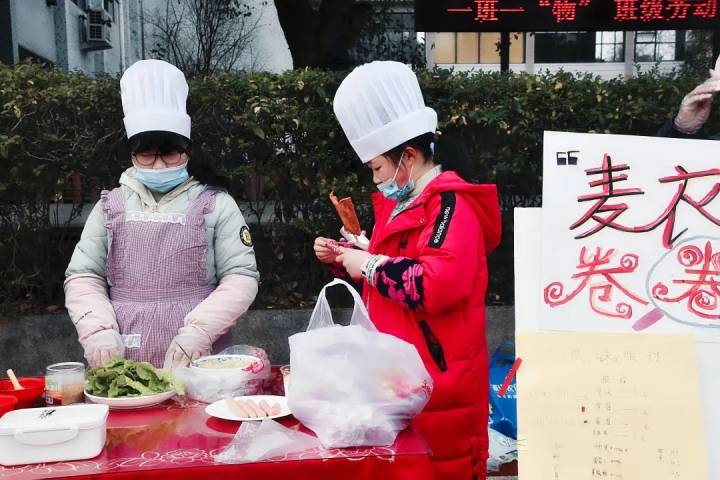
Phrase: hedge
(276, 139)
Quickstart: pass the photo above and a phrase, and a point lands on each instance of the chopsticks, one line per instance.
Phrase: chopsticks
(183, 350)
(14, 380)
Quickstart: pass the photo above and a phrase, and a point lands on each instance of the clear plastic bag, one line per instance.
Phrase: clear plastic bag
(257, 441)
(354, 386)
(210, 385)
(503, 449)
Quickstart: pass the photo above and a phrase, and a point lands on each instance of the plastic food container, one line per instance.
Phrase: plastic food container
(236, 371)
(64, 383)
(52, 434)
(231, 364)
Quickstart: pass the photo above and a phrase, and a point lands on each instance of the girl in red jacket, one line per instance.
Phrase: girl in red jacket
(424, 272)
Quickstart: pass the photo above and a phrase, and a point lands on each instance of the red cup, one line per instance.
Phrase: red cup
(7, 403)
(33, 389)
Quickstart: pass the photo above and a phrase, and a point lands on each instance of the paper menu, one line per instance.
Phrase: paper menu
(609, 406)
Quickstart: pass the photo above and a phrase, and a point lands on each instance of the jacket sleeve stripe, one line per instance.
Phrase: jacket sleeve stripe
(442, 223)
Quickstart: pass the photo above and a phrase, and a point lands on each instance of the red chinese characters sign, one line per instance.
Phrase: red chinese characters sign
(564, 15)
(631, 234)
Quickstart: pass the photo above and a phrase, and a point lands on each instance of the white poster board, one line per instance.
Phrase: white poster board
(527, 227)
(631, 235)
(528, 289)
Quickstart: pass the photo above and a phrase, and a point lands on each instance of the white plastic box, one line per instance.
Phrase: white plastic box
(52, 434)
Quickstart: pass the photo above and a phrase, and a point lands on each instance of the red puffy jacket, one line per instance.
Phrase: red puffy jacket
(450, 228)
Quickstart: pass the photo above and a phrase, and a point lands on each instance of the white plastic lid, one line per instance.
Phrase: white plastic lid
(83, 416)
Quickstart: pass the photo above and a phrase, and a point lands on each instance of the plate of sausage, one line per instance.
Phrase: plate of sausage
(249, 407)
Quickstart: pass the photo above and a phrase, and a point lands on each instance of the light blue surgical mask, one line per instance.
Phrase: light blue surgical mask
(163, 179)
(392, 191)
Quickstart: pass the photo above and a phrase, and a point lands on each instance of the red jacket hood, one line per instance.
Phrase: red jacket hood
(482, 197)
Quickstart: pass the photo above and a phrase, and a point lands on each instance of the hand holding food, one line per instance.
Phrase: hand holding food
(326, 249)
(353, 261)
(189, 344)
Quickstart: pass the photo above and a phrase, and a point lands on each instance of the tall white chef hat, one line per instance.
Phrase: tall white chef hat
(153, 97)
(379, 106)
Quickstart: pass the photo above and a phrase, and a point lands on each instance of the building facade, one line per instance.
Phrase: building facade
(107, 36)
(607, 54)
(90, 36)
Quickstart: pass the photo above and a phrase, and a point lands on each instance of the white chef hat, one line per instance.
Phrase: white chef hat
(153, 97)
(379, 106)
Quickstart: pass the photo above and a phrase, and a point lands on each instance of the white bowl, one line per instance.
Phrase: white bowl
(246, 361)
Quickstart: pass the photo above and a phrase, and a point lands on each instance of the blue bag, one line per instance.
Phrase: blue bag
(503, 410)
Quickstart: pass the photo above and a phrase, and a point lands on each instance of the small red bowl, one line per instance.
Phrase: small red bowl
(33, 389)
(7, 403)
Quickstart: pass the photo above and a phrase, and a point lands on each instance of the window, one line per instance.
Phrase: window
(445, 47)
(587, 47)
(109, 6)
(659, 46)
(609, 47)
(570, 47)
(468, 47)
(476, 48)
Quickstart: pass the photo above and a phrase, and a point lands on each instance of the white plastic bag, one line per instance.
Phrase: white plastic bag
(354, 386)
(503, 449)
(210, 385)
(257, 441)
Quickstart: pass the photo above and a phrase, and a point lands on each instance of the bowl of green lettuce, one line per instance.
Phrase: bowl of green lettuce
(124, 384)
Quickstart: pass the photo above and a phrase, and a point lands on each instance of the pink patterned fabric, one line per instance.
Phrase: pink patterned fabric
(157, 270)
(401, 280)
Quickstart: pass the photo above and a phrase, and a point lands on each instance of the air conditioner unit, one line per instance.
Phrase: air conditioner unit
(98, 33)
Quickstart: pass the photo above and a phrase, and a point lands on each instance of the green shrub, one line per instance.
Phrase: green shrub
(61, 136)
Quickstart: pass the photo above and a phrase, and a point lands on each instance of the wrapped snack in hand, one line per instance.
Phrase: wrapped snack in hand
(346, 210)
(334, 247)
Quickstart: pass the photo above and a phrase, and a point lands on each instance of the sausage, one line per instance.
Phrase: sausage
(237, 408)
(265, 408)
(258, 412)
(275, 409)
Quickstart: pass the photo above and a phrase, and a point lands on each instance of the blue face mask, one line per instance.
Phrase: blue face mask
(164, 179)
(392, 191)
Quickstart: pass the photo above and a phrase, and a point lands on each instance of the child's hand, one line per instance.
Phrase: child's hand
(326, 249)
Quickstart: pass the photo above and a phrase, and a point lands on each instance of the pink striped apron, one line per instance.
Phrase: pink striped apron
(157, 268)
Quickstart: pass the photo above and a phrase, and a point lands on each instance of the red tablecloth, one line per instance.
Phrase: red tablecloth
(181, 441)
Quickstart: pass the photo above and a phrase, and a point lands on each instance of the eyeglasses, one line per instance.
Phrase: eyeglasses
(147, 159)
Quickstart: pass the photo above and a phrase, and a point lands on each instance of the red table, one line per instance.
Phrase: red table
(181, 440)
